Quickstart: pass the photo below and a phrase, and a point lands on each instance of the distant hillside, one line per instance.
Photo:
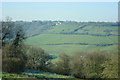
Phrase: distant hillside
(57, 37)
(69, 27)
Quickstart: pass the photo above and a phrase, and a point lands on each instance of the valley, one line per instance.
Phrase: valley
(73, 37)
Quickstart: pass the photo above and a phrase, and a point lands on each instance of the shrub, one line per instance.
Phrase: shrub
(92, 64)
(76, 65)
(111, 67)
(62, 65)
(13, 59)
(13, 52)
(37, 59)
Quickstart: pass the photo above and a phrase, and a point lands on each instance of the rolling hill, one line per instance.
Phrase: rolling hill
(72, 37)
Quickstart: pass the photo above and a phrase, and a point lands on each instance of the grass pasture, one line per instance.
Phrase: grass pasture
(72, 38)
(61, 43)
(36, 76)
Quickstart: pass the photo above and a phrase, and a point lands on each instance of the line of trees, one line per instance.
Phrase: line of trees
(13, 52)
(16, 57)
(95, 64)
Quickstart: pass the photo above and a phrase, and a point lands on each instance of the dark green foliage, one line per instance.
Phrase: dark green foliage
(76, 65)
(37, 59)
(62, 65)
(13, 52)
(82, 65)
(95, 65)
(92, 65)
(13, 59)
(111, 67)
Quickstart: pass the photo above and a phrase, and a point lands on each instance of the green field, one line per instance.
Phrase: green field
(40, 76)
(71, 37)
(60, 37)
(45, 41)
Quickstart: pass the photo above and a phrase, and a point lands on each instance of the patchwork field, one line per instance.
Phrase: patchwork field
(71, 39)
(56, 38)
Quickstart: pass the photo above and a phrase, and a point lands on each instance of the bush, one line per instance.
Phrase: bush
(76, 65)
(62, 65)
(13, 56)
(111, 67)
(37, 59)
(92, 64)
(13, 59)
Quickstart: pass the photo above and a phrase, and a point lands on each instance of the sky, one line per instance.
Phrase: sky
(71, 11)
(60, 0)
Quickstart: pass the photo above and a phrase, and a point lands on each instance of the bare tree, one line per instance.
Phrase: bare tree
(13, 49)
(7, 30)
